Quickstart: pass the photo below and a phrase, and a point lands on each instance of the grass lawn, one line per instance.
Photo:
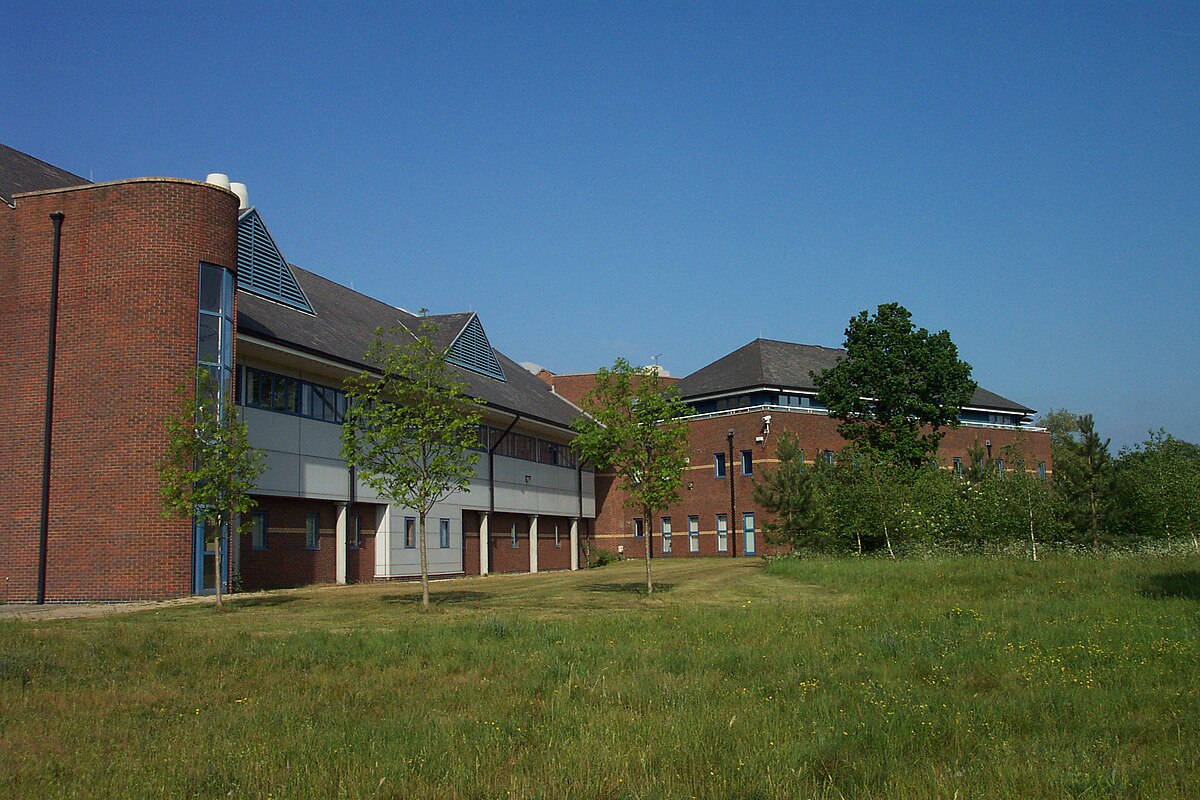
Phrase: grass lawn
(832, 678)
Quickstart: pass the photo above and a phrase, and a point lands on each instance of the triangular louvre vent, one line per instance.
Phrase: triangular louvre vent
(261, 268)
(471, 350)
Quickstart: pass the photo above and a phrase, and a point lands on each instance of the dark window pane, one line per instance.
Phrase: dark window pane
(211, 281)
(209, 338)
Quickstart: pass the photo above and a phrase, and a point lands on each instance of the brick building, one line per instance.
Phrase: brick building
(743, 402)
(112, 294)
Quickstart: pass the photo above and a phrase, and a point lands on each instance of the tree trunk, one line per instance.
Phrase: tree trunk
(1095, 523)
(1032, 541)
(424, 560)
(858, 535)
(219, 560)
(647, 539)
(888, 539)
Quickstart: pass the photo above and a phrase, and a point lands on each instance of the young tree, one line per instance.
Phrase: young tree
(1086, 472)
(635, 428)
(791, 492)
(893, 381)
(209, 468)
(409, 428)
(1159, 485)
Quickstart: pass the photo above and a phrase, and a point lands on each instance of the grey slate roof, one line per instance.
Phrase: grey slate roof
(21, 172)
(767, 362)
(345, 322)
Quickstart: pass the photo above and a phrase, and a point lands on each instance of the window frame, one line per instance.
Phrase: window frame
(722, 545)
(355, 533)
(666, 534)
(255, 517)
(312, 530)
(639, 529)
(747, 459)
(410, 533)
(444, 533)
(719, 465)
(693, 533)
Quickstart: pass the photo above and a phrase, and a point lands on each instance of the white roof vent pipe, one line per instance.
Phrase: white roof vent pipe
(243, 196)
(218, 179)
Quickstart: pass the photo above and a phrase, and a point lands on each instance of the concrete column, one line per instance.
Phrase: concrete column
(533, 537)
(343, 520)
(485, 542)
(575, 543)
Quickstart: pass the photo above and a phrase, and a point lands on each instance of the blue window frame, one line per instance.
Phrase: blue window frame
(312, 531)
(410, 533)
(693, 534)
(638, 529)
(722, 533)
(666, 534)
(355, 536)
(444, 533)
(828, 456)
(258, 530)
(515, 542)
(747, 462)
(718, 465)
(1041, 473)
(748, 543)
(958, 467)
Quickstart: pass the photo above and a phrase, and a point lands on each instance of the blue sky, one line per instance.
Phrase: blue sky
(674, 180)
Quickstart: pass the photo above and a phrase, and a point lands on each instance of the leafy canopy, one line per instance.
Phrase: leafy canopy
(410, 428)
(896, 387)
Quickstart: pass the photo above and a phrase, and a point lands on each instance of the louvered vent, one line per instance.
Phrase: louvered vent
(472, 350)
(261, 267)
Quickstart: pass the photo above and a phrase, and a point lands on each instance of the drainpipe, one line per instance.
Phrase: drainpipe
(729, 528)
(47, 426)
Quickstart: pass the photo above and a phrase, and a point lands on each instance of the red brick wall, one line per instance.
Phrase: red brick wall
(706, 496)
(287, 561)
(505, 557)
(126, 338)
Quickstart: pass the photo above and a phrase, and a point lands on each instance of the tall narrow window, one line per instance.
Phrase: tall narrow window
(747, 462)
(693, 534)
(1000, 467)
(666, 534)
(1041, 470)
(355, 541)
(312, 531)
(749, 546)
(557, 538)
(214, 327)
(444, 533)
(258, 530)
(722, 533)
(515, 544)
(410, 532)
(958, 466)
(719, 465)
(638, 530)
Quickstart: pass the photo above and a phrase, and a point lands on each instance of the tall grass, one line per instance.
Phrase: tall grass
(968, 677)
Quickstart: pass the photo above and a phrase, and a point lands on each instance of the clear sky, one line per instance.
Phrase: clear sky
(675, 180)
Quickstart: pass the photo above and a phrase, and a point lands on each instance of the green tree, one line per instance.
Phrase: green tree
(410, 427)
(790, 491)
(1086, 476)
(209, 468)
(897, 386)
(1158, 486)
(635, 427)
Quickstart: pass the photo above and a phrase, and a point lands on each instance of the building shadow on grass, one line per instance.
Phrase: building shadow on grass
(436, 598)
(1174, 584)
(634, 587)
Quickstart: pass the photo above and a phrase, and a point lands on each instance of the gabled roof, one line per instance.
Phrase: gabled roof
(343, 323)
(261, 267)
(785, 365)
(21, 172)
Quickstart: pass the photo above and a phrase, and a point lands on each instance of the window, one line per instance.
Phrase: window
(666, 534)
(288, 395)
(747, 462)
(410, 533)
(443, 533)
(638, 530)
(557, 538)
(258, 530)
(748, 544)
(693, 534)
(514, 536)
(1000, 467)
(1041, 470)
(312, 531)
(827, 455)
(214, 326)
(719, 465)
(722, 534)
(957, 467)
(355, 537)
